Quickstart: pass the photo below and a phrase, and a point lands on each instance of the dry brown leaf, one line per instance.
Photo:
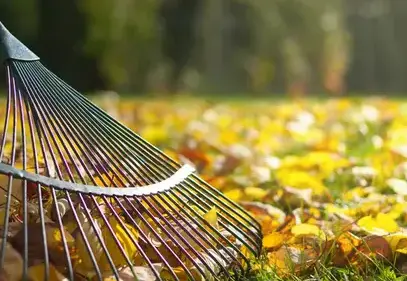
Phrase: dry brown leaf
(36, 243)
(13, 264)
(372, 247)
(291, 259)
(344, 246)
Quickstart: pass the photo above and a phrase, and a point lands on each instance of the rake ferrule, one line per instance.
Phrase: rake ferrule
(12, 48)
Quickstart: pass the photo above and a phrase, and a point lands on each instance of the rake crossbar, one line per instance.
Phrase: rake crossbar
(151, 189)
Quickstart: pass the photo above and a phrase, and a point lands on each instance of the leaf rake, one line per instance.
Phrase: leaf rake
(82, 196)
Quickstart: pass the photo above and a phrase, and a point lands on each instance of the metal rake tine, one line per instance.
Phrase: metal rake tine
(84, 122)
(24, 186)
(185, 252)
(54, 128)
(140, 231)
(68, 125)
(45, 127)
(122, 225)
(112, 233)
(82, 232)
(6, 120)
(53, 194)
(39, 192)
(121, 129)
(213, 200)
(191, 235)
(198, 216)
(12, 97)
(193, 219)
(156, 234)
(80, 125)
(252, 221)
(101, 240)
(193, 198)
(162, 228)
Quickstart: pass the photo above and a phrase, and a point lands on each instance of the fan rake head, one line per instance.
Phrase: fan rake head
(84, 197)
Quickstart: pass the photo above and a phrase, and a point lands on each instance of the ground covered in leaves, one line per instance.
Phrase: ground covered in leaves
(326, 179)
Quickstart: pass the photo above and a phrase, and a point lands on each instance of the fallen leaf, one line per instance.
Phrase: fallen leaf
(36, 243)
(125, 240)
(37, 273)
(373, 246)
(399, 186)
(306, 229)
(234, 194)
(290, 260)
(255, 193)
(143, 273)
(382, 224)
(212, 217)
(273, 240)
(13, 264)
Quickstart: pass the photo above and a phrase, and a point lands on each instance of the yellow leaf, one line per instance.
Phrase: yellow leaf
(37, 273)
(234, 194)
(347, 242)
(306, 229)
(300, 180)
(85, 265)
(381, 224)
(255, 193)
(54, 237)
(397, 242)
(247, 253)
(125, 240)
(402, 251)
(212, 217)
(397, 210)
(154, 134)
(273, 240)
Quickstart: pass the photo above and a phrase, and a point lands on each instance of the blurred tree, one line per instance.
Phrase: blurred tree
(124, 35)
(177, 19)
(288, 40)
(379, 62)
(61, 35)
(21, 18)
(335, 56)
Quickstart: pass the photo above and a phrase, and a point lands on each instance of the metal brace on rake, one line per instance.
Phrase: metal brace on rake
(85, 198)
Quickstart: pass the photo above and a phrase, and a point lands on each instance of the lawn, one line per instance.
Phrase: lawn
(327, 175)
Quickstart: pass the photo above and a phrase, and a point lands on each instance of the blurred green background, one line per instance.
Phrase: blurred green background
(251, 47)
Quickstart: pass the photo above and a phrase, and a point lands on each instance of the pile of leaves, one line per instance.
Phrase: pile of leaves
(325, 179)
